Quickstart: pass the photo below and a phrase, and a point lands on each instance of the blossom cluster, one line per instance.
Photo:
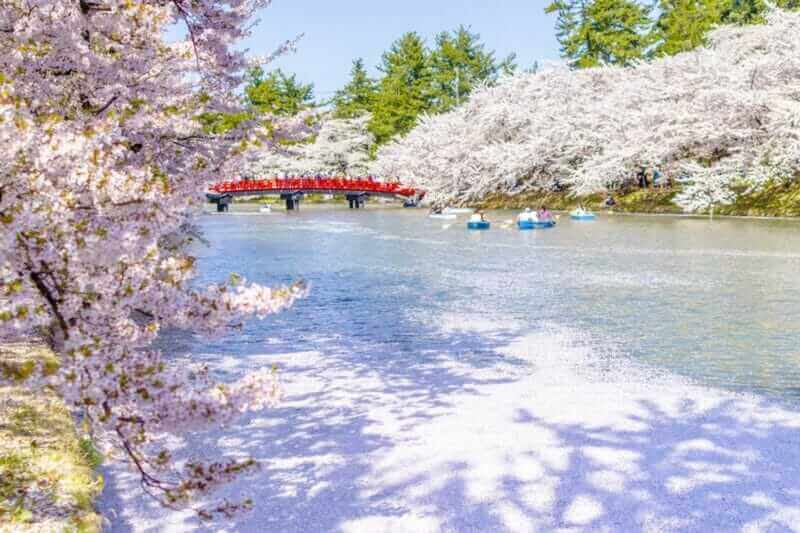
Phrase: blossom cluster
(341, 147)
(722, 115)
(103, 168)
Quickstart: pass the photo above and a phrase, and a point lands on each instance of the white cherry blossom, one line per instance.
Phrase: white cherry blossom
(730, 110)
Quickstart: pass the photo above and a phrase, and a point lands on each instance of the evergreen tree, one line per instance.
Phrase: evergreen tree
(752, 11)
(358, 96)
(596, 32)
(683, 24)
(277, 93)
(568, 12)
(744, 11)
(405, 90)
(461, 62)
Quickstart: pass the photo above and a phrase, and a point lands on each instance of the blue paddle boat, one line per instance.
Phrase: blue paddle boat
(478, 224)
(535, 224)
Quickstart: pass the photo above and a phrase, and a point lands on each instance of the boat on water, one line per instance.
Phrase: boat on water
(478, 224)
(458, 211)
(535, 224)
(530, 220)
(580, 214)
(477, 221)
(265, 209)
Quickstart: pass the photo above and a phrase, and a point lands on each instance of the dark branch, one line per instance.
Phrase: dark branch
(185, 16)
(44, 290)
(149, 482)
(106, 106)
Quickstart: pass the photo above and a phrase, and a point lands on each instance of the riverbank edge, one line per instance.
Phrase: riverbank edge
(772, 201)
(48, 472)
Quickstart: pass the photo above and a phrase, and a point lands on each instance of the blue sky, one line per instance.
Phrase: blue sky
(338, 31)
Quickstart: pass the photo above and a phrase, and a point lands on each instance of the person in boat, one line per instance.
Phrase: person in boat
(545, 215)
(527, 215)
(477, 217)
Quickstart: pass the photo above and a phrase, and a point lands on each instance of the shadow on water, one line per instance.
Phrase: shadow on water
(316, 446)
(694, 469)
(680, 474)
(366, 366)
(697, 470)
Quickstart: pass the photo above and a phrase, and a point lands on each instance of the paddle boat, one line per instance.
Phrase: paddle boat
(477, 222)
(581, 214)
(530, 220)
(535, 224)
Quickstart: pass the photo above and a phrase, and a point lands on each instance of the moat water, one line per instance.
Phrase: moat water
(716, 301)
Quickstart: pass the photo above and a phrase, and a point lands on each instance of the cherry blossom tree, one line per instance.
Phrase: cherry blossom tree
(341, 148)
(728, 111)
(102, 169)
(704, 188)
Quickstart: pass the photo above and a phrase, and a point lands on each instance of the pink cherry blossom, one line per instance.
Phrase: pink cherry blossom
(102, 170)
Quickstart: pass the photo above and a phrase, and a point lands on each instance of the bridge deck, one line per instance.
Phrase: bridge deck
(314, 185)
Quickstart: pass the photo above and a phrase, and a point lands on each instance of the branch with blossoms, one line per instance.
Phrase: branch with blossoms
(103, 171)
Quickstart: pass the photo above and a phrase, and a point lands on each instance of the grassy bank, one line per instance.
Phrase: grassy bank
(776, 200)
(47, 478)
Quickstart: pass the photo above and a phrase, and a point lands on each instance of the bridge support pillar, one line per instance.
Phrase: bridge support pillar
(223, 201)
(356, 201)
(292, 200)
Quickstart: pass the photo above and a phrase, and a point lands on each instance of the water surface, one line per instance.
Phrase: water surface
(716, 301)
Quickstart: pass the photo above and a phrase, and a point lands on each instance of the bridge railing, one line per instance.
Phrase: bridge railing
(365, 185)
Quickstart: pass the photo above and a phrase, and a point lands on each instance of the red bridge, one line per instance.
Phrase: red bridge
(356, 190)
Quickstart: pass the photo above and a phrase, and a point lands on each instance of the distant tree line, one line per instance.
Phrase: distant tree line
(622, 32)
(416, 79)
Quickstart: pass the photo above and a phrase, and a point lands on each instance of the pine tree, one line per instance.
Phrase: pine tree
(460, 62)
(744, 11)
(405, 90)
(683, 24)
(752, 11)
(597, 32)
(358, 96)
(277, 93)
(567, 22)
